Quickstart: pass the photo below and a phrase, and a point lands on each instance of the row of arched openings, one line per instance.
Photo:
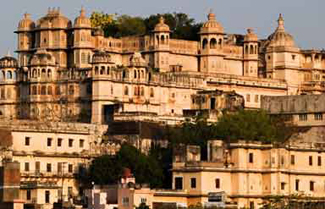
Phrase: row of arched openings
(49, 90)
(102, 70)
(251, 49)
(36, 73)
(8, 75)
(163, 39)
(212, 44)
(138, 91)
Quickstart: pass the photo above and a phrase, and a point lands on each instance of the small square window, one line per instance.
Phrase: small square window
(47, 196)
(311, 185)
(70, 142)
(70, 168)
(217, 182)
(60, 142)
(26, 166)
(193, 183)
(48, 167)
(28, 194)
(250, 158)
(49, 142)
(310, 160)
(292, 159)
(81, 143)
(27, 141)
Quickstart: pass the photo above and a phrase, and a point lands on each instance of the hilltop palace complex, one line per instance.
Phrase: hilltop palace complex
(68, 72)
(66, 69)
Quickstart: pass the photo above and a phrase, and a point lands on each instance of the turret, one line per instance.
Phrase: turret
(251, 54)
(161, 37)
(9, 93)
(283, 57)
(211, 45)
(26, 39)
(82, 43)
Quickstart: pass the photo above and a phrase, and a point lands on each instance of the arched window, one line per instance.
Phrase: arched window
(135, 74)
(162, 39)
(71, 90)
(102, 70)
(126, 90)
(135, 93)
(220, 42)
(9, 75)
(142, 91)
(251, 50)
(57, 90)
(246, 49)
(108, 68)
(152, 94)
(157, 38)
(49, 73)
(139, 74)
(255, 49)
(123, 74)
(96, 70)
(49, 90)
(34, 90)
(43, 73)
(149, 77)
(204, 43)
(43, 90)
(213, 43)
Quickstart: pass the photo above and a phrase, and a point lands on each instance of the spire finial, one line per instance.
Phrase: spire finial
(211, 15)
(161, 20)
(280, 22)
(82, 12)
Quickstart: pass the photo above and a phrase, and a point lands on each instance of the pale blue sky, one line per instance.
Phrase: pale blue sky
(303, 18)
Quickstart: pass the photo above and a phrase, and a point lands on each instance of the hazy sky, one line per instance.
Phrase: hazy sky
(303, 18)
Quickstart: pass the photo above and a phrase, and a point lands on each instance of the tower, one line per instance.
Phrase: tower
(82, 43)
(26, 39)
(161, 37)
(250, 54)
(9, 92)
(211, 45)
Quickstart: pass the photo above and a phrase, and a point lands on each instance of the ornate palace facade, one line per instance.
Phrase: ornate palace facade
(70, 70)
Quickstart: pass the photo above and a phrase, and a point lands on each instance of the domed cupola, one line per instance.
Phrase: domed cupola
(280, 37)
(8, 62)
(82, 21)
(26, 23)
(211, 26)
(250, 36)
(54, 19)
(162, 26)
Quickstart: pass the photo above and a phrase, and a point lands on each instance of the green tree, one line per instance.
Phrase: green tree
(130, 26)
(255, 125)
(108, 169)
(180, 24)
